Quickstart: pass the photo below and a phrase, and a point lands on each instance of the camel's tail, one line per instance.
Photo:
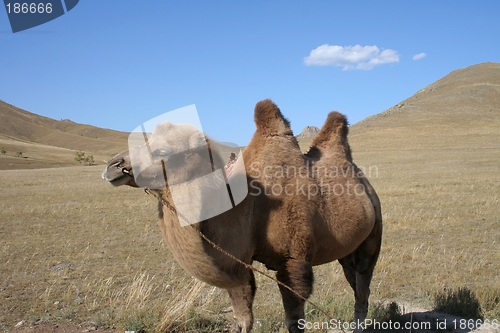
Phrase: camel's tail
(269, 120)
(332, 136)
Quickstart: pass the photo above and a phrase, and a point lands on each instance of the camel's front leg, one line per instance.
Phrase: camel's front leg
(298, 275)
(242, 300)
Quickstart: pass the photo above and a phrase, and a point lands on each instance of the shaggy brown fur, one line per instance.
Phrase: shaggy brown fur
(293, 218)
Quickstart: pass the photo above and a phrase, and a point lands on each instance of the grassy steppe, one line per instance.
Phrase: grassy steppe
(75, 248)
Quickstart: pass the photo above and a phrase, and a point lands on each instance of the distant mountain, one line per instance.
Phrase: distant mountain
(308, 132)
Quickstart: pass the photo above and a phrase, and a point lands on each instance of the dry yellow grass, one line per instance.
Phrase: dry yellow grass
(73, 248)
(36, 155)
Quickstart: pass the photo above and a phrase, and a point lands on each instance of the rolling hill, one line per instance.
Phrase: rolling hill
(460, 110)
(45, 142)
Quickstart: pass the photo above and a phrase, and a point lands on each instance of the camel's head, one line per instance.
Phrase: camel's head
(181, 158)
(176, 152)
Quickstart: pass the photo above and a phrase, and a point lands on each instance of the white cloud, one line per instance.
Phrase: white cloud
(419, 56)
(350, 57)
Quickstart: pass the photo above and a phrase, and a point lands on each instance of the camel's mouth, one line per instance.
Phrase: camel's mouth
(118, 180)
(118, 172)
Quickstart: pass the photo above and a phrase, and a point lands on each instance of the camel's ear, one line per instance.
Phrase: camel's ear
(196, 140)
(268, 118)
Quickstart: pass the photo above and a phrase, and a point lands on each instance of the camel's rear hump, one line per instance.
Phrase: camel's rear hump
(332, 137)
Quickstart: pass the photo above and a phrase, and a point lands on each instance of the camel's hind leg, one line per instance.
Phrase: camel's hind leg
(358, 269)
(360, 283)
(299, 276)
(242, 301)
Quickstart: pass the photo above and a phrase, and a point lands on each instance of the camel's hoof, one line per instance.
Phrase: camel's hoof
(242, 329)
(295, 329)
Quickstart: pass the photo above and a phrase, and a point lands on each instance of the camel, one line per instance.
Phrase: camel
(298, 212)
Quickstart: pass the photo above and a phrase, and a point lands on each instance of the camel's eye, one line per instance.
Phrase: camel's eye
(160, 153)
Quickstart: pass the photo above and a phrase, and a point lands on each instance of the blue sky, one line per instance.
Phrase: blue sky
(116, 64)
